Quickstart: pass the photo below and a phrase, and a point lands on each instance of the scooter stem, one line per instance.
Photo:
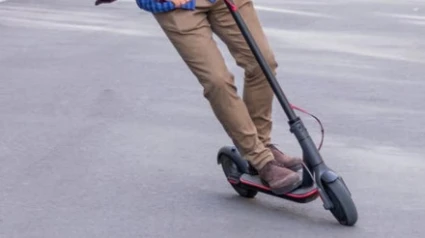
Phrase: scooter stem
(261, 61)
(311, 153)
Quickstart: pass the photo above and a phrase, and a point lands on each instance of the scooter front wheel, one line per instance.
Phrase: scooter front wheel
(230, 168)
(344, 209)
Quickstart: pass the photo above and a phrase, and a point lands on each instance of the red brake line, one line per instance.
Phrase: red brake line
(317, 119)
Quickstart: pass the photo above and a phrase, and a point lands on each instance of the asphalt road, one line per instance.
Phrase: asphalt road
(104, 131)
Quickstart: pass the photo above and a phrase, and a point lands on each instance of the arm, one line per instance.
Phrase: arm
(154, 6)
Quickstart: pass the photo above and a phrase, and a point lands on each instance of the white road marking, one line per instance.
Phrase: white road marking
(405, 18)
(356, 44)
(73, 26)
(420, 23)
(402, 16)
(95, 21)
(289, 11)
(98, 21)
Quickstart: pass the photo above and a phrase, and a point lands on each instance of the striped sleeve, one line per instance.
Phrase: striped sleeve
(159, 6)
(155, 6)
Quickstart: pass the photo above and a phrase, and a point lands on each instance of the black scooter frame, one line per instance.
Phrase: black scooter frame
(311, 155)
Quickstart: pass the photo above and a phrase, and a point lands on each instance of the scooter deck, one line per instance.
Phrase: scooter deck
(301, 194)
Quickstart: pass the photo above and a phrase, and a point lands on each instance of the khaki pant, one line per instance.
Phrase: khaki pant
(247, 121)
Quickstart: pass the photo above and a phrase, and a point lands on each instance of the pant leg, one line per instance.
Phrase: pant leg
(257, 94)
(191, 35)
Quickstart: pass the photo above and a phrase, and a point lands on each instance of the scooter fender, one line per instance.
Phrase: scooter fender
(235, 156)
(329, 176)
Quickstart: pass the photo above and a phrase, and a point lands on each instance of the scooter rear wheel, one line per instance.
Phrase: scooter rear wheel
(230, 168)
(344, 209)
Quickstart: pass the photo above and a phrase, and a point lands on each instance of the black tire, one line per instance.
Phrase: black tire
(229, 167)
(344, 209)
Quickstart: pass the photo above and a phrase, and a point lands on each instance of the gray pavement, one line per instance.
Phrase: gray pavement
(104, 131)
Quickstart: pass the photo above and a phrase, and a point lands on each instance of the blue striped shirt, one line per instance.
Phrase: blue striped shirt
(157, 6)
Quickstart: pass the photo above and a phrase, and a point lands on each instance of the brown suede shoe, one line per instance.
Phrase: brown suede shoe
(286, 161)
(280, 180)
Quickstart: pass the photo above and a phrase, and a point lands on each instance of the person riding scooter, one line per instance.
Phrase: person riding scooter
(247, 120)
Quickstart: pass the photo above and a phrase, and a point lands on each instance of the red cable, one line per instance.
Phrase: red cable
(317, 119)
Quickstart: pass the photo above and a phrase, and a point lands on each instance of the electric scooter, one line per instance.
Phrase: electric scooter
(318, 179)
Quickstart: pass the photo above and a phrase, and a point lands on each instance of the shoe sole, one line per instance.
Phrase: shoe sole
(287, 189)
